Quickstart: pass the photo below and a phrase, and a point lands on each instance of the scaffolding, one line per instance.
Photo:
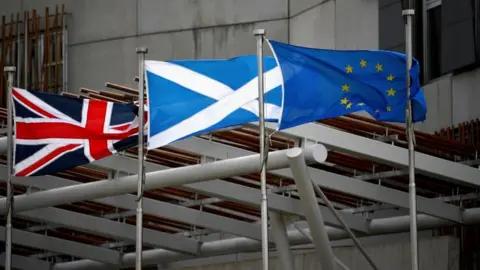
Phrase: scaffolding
(35, 44)
(89, 230)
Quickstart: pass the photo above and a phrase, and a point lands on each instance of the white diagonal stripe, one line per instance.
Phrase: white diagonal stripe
(40, 103)
(217, 111)
(209, 87)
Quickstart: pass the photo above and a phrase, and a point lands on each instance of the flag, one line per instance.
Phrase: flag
(55, 133)
(320, 84)
(190, 97)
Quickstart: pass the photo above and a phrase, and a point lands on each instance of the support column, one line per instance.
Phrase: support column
(282, 244)
(312, 211)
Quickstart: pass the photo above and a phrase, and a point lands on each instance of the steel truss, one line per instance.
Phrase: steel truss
(227, 161)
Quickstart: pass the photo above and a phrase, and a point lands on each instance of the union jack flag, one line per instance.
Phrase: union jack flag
(54, 133)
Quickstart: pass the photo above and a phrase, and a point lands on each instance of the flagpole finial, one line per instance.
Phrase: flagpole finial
(9, 69)
(142, 50)
(259, 32)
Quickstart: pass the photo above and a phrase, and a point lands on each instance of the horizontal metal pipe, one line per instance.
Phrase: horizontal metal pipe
(160, 179)
(234, 245)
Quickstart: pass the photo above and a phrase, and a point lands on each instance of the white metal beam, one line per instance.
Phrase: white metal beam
(386, 153)
(241, 194)
(62, 246)
(26, 263)
(382, 194)
(235, 245)
(314, 217)
(159, 179)
(110, 228)
(338, 182)
(153, 207)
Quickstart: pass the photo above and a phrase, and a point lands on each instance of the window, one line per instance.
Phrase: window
(433, 41)
(446, 34)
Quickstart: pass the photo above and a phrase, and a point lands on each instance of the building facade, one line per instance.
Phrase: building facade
(102, 36)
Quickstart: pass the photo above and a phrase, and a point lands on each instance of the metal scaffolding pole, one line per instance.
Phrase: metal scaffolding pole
(408, 12)
(260, 34)
(240, 244)
(160, 179)
(141, 174)
(280, 236)
(344, 224)
(10, 72)
(312, 211)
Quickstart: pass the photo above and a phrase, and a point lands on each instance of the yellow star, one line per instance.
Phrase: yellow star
(349, 69)
(379, 67)
(363, 63)
(361, 104)
(390, 77)
(389, 108)
(345, 88)
(377, 111)
(349, 105)
(344, 101)
(391, 92)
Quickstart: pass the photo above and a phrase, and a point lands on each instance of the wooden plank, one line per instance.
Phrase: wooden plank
(46, 37)
(2, 60)
(36, 25)
(57, 49)
(29, 63)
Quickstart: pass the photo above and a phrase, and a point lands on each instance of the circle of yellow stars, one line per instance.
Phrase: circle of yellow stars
(346, 88)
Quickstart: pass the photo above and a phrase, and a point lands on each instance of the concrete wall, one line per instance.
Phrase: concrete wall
(440, 253)
(103, 36)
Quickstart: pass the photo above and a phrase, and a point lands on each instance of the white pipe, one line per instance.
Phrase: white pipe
(282, 244)
(241, 244)
(312, 211)
(159, 179)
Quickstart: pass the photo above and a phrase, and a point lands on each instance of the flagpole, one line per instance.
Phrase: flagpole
(408, 12)
(141, 51)
(260, 34)
(9, 71)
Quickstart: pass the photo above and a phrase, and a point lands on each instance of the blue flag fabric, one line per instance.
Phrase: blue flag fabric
(320, 84)
(190, 97)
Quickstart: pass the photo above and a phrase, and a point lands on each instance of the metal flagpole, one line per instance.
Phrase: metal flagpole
(141, 176)
(9, 71)
(408, 12)
(260, 34)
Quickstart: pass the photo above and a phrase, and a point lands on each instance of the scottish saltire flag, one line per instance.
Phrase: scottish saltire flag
(320, 84)
(190, 97)
(55, 133)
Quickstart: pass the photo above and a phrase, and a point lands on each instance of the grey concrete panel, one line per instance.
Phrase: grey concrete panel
(235, 40)
(315, 27)
(93, 20)
(356, 24)
(391, 26)
(168, 46)
(298, 6)
(383, 3)
(10, 6)
(439, 253)
(40, 5)
(167, 15)
(466, 93)
(92, 64)
(438, 95)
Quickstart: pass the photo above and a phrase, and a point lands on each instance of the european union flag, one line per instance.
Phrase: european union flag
(320, 84)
